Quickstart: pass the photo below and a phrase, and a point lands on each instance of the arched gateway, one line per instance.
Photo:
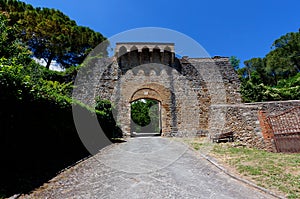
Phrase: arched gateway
(196, 96)
(185, 87)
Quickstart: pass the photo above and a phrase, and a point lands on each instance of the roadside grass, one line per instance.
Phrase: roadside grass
(277, 172)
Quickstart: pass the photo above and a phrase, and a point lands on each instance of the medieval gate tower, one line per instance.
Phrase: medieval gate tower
(196, 96)
(185, 87)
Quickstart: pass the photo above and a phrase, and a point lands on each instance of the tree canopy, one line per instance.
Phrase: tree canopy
(284, 60)
(235, 62)
(50, 34)
(275, 76)
(10, 46)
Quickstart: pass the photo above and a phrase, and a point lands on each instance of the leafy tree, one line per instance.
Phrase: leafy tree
(284, 60)
(35, 112)
(256, 67)
(274, 76)
(10, 46)
(235, 62)
(51, 35)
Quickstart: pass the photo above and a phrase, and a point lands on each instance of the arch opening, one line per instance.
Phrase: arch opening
(146, 117)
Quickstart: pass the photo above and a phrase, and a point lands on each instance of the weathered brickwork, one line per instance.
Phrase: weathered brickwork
(266, 131)
(196, 95)
(186, 87)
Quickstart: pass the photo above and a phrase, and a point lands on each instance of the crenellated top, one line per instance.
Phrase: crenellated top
(124, 47)
(131, 54)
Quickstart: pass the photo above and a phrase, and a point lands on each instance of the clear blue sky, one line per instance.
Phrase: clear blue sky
(244, 29)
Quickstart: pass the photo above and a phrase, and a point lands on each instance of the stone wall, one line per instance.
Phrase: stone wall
(185, 87)
(197, 95)
(276, 107)
(193, 86)
(180, 108)
(240, 119)
(247, 121)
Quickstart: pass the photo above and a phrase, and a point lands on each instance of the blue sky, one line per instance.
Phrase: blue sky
(245, 29)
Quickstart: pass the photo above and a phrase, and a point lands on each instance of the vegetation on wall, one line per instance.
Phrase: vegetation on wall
(104, 110)
(38, 137)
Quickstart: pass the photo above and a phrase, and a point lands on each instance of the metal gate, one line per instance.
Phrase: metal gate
(286, 130)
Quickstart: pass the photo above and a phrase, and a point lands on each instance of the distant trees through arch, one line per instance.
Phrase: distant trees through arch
(145, 116)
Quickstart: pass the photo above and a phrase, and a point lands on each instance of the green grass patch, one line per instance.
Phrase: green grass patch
(277, 172)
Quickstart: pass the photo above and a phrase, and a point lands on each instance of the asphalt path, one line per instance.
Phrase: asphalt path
(151, 167)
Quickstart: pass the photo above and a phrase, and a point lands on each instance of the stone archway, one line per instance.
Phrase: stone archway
(146, 114)
(201, 94)
(133, 91)
(156, 92)
(187, 88)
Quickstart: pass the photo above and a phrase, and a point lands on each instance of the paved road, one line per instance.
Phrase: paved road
(145, 168)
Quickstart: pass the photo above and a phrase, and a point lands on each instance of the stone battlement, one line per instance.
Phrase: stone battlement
(125, 47)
